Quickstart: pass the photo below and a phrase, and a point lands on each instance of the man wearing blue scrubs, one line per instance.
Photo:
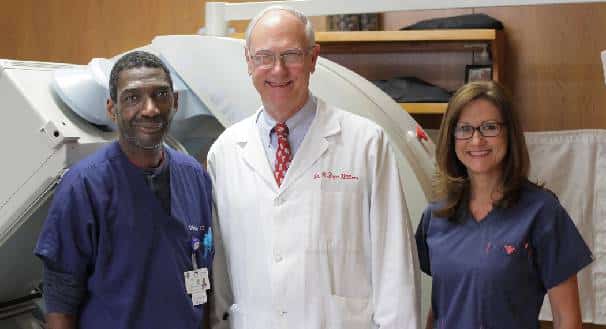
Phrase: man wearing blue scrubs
(129, 223)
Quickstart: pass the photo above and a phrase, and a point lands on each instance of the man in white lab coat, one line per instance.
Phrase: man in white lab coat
(311, 223)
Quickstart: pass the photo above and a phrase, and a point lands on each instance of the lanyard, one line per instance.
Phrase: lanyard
(195, 246)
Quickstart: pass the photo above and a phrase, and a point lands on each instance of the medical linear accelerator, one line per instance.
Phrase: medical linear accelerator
(57, 116)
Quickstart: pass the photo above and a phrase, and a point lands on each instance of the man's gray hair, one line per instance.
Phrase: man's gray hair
(309, 29)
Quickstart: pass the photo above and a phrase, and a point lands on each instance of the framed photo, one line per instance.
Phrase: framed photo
(478, 73)
(354, 22)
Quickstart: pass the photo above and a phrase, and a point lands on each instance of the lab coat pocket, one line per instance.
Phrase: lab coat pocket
(337, 242)
(348, 313)
(339, 209)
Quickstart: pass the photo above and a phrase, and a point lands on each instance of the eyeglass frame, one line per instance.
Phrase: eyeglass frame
(301, 52)
(500, 126)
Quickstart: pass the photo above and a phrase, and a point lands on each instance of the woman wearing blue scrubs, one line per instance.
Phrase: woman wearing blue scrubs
(494, 242)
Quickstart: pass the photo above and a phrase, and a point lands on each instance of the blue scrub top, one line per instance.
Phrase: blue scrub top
(107, 229)
(495, 273)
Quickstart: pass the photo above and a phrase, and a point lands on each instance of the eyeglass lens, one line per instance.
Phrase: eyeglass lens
(486, 129)
(289, 58)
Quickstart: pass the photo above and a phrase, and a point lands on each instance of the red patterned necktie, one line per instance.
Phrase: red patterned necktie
(283, 154)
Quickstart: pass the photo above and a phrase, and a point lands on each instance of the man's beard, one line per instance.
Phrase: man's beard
(128, 130)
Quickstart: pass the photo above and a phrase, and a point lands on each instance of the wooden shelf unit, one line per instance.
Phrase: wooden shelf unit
(341, 44)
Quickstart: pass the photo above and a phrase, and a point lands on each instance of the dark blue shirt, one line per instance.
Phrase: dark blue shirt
(494, 273)
(107, 230)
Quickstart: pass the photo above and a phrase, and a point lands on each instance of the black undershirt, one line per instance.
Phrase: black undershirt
(158, 180)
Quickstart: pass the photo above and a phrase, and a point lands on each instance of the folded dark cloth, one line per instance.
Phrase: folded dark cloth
(412, 90)
(471, 21)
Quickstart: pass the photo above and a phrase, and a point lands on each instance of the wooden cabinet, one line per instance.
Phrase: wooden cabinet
(436, 56)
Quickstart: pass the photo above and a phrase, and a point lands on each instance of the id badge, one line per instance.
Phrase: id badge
(196, 284)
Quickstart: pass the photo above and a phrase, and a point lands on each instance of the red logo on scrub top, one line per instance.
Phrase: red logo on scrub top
(509, 249)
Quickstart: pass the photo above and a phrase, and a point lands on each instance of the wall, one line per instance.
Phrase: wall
(552, 61)
(75, 31)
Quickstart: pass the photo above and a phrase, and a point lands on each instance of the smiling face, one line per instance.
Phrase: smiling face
(482, 156)
(283, 89)
(143, 109)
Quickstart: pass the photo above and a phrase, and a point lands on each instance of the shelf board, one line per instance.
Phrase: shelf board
(424, 108)
(409, 35)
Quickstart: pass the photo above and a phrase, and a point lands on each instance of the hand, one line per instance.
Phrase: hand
(429, 323)
(60, 321)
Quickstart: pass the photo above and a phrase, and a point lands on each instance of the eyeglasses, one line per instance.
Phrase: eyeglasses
(290, 58)
(486, 129)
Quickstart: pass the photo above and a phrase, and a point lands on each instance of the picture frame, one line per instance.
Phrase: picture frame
(478, 73)
(354, 22)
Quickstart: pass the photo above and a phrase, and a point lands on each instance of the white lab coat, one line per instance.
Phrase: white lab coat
(330, 248)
